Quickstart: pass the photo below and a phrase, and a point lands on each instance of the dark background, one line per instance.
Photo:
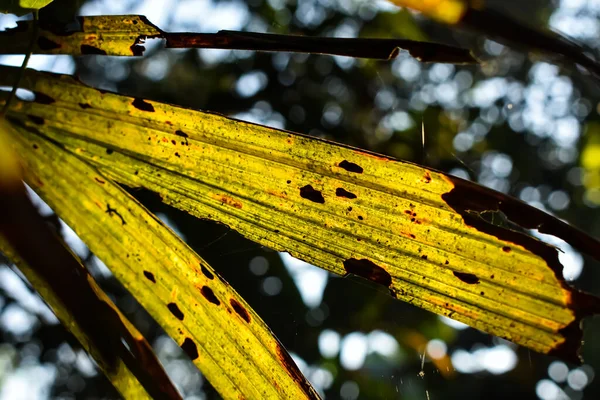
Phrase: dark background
(515, 123)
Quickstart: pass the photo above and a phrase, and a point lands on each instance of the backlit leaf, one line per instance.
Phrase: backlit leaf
(590, 162)
(423, 234)
(120, 350)
(34, 4)
(21, 7)
(449, 11)
(214, 326)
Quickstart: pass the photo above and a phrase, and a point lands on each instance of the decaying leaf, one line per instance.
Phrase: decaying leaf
(121, 351)
(122, 378)
(123, 35)
(214, 326)
(418, 232)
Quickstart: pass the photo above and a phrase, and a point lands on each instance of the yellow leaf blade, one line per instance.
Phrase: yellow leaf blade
(448, 11)
(418, 232)
(22, 7)
(70, 290)
(224, 337)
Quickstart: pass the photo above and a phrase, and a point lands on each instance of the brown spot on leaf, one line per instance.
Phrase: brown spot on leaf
(175, 311)
(184, 135)
(189, 347)
(351, 167)
(240, 310)
(46, 44)
(427, 177)
(469, 199)
(84, 105)
(113, 211)
(150, 276)
(109, 151)
(569, 348)
(506, 249)
(225, 199)
(340, 192)
(142, 105)
(87, 49)
(206, 272)
(290, 366)
(210, 295)
(310, 193)
(466, 277)
(100, 181)
(368, 270)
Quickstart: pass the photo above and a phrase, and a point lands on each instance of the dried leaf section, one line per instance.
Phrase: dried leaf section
(223, 336)
(122, 378)
(123, 35)
(120, 350)
(418, 232)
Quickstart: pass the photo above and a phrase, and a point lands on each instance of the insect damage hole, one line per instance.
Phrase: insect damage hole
(206, 272)
(240, 310)
(368, 270)
(210, 295)
(471, 279)
(189, 347)
(142, 105)
(310, 193)
(175, 311)
(351, 167)
(150, 276)
(341, 192)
